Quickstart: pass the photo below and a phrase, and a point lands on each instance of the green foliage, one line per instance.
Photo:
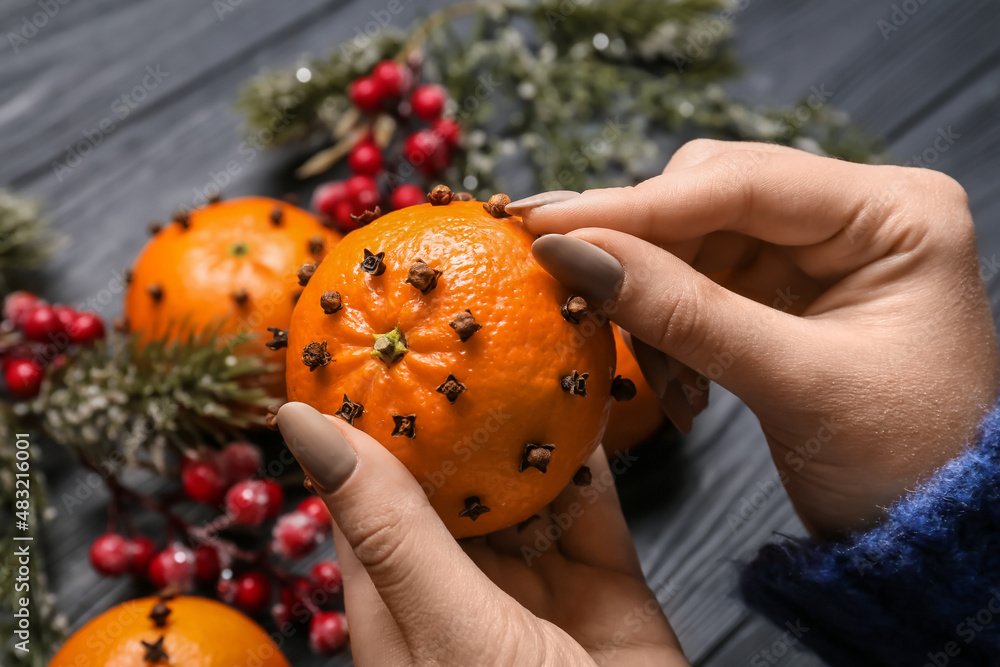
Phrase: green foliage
(24, 239)
(124, 400)
(583, 94)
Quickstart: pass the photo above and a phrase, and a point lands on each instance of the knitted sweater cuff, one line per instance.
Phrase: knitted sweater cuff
(922, 588)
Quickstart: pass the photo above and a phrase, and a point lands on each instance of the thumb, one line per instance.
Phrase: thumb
(668, 305)
(421, 573)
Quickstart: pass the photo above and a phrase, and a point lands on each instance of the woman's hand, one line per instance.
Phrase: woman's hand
(565, 590)
(842, 303)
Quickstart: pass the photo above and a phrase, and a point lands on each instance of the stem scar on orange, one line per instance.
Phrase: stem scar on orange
(232, 262)
(177, 631)
(453, 348)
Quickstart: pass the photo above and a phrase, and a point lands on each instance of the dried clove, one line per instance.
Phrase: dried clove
(331, 302)
(154, 652)
(306, 272)
(465, 325)
(440, 195)
(473, 508)
(316, 246)
(367, 216)
(497, 206)
(406, 425)
(451, 388)
(463, 196)
(622, 389)
(240, 296)
(155, 291)
(536, 456)
(422, 276)
(277, 216)
(575, 384)
(575, 309)
(349, 411)
(582, 477)
(279, 340)
(182, 217)
(315, 355)
(159, 614)
(373, 263)
(155, 227)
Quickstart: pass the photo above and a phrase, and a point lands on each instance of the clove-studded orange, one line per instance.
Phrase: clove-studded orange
(453, 348)
(230, 263)
(175, 631)
(633, 421)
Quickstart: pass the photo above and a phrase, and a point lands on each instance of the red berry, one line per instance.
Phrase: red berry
(428, 101)
(426, 151)
(295, 535)
(85, 329)
(241, 460)
(252, 592)
(174, 566)
(315, 508)
(328, 196)
(281, 613)
(23, 378)
(247, 502)
(207, 565)
(140, 552)
(365, 158)
(18, 305)
(407, 195)
(392, 77)
(362, 192)
(66, 314)
(328, 632)
(326, 576)
(109, 555)
(366, 94)
(448, 130)
(204, 482)
(275, 497)
(43, 325)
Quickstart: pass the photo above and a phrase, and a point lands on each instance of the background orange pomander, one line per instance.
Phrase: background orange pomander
(231, 261)
(483, 438)
(196, 631)
(635, 421)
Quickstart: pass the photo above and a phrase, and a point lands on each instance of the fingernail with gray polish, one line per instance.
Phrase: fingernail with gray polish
(582, 267)
(317, 445)
(655, 366)
(541, 199)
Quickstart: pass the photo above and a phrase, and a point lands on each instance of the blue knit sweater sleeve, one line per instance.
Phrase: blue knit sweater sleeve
(922, 588)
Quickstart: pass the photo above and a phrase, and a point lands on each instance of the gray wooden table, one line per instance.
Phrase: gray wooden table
(938, 72)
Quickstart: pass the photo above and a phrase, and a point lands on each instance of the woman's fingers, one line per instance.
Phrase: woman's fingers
(782, 197)
(665, 303)
(590, 523)
(421, 574)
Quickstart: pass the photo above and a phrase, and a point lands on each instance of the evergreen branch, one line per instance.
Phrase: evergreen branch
(25, 242)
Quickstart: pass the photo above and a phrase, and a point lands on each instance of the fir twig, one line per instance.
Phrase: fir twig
(25, 242)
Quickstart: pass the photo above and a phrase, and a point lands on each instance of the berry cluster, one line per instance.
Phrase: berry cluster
(391, 89)
(35, 334)
(205, 555)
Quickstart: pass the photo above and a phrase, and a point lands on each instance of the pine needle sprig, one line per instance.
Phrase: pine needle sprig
(25, 240)
(130, 400)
